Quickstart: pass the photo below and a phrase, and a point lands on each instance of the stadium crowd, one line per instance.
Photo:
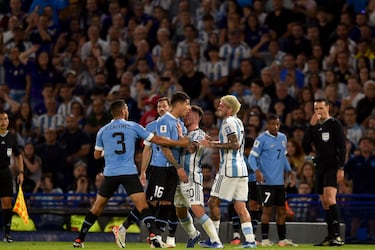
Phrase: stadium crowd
(63, 62)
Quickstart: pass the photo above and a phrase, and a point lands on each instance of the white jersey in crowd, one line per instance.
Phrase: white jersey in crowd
(192, 161)
(232, 163)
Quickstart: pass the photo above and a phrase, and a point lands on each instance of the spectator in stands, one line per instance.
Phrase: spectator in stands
(296, 117)
(83, 187)
(360, 170)
(245, 73)
(52, 156)
(94, 42)
(307, 174)
(66, 99)
(216, 71)
(296, 42)
(302, 205)
(97, 118)
(258, 97)
(42, 72)
(124, 94)
(289, 64)
(355, 93)
(278, 19)
(16, 76)
(33, 167)
(283, 96)
(15, 10)
(296, 156)
(24, 121)
(49, 119)
(366, 105)
(234, 51)
(49, 198)
(76, 144)
(194, 83)
(354, 131)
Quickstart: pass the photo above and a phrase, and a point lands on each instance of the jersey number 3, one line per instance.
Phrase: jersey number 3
(121, 142)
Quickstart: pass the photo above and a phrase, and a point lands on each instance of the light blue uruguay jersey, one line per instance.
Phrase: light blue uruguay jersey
(117, 139)
(167, 127)
(192, 161)
(151, 127)
(232, 163)
(269, 156)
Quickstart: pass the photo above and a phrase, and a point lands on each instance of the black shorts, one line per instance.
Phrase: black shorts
(269, 196)
(325, 177)
(6, 183)
(252, 194)
(110, 185)
(162, 184)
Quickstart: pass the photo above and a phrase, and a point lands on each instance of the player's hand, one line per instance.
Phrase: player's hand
(143, 179)
(20, 178)
(314, 119)
(182, 175)
(179, 130)
(340, 176)
(259, 176)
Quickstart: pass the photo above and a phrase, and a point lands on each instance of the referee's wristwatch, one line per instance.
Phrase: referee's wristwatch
(340, 168)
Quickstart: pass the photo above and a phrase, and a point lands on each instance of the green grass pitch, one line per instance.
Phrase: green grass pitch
(28, 245)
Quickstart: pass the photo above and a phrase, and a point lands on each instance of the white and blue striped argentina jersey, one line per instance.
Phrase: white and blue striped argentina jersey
(234, 55)
(214, 71)
(269, 156)
(167, 127)
(192, 161)
(232, 163)
(117, 139)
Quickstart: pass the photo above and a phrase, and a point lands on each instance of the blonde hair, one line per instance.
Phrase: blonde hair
(232, 102)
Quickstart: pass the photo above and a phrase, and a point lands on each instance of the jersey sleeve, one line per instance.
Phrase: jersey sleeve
(229, 128)
(143, 133)
(99, 142)
(163, 128)
(255, 153)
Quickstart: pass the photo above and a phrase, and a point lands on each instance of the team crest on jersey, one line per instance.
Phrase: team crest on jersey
(325, 136)
(163, 129)
(256, 144)
(227, 130)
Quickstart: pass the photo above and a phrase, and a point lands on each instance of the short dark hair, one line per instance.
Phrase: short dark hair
(117, 106)
(321, 100)
(179, 97)
(272, 117)
(164, 99)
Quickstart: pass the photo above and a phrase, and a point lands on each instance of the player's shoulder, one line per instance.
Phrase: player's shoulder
(281, 135)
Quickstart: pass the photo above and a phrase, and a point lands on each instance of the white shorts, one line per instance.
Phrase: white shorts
(230, 189)
(188, 194)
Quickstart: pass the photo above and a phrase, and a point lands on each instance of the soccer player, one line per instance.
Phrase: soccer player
(163, 106)
(116, 143)
(252, 204)
(190, 195)
(8, 148)
(269, 162)
(165, 166)
(328, 138)
(231, 182)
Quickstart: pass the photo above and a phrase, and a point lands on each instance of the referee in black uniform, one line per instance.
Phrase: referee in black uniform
(328, 138)
(8, 147)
